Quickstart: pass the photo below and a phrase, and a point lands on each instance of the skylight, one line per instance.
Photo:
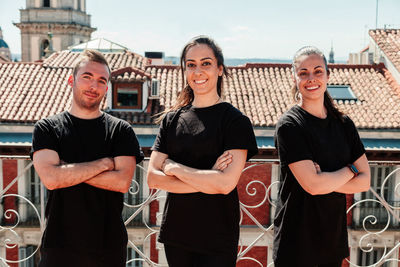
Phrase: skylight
(341, 92)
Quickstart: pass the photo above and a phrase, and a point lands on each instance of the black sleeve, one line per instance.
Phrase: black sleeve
(357, 147)
(239, 134)
(126, 144)
(160, 144)
(43, 137)
(291, 143)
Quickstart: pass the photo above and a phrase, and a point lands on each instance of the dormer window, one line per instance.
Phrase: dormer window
(341, 92)
(127, 95)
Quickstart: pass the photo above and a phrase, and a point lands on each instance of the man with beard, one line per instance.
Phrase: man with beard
(86, 159)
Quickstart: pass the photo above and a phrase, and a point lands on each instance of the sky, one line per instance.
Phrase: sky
(243, 28)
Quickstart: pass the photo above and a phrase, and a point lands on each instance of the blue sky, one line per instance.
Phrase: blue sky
(244, 29)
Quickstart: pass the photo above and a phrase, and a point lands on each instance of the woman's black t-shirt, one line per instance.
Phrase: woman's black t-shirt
(196, 137)
(312, 229)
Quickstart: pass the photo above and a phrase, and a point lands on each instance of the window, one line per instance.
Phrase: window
(378, 175)
(134, 197)
(132, 254)
(32, 186)
(44, 47)
(155, 88)
(25, 252)
(341, 92)
(46, 3)
(127, 96)
(370, 258)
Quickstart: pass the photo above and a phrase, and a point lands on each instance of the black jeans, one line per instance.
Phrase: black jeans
(332, 264)
(179, 257)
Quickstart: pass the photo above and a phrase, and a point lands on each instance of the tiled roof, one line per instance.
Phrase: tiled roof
(116, 60)
(262, 92)
(129, 74)
(388, 41)
(31, 91)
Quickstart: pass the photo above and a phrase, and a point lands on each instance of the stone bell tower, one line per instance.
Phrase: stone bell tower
(52, 25)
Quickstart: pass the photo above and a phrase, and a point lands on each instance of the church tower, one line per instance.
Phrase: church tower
(4, 49)
(331, 55)
(52, 25)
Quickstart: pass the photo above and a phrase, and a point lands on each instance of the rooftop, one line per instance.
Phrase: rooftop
(31, 91)
(389, 42)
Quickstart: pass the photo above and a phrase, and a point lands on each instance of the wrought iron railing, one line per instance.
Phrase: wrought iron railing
(374, 223)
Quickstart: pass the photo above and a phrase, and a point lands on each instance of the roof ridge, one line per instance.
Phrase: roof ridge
(129, 69)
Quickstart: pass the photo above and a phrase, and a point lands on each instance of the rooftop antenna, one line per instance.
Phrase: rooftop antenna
(376, 16)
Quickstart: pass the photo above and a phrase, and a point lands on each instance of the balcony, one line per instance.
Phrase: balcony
(374, 217)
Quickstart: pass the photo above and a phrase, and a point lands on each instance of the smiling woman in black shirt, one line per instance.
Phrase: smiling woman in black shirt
(200, 224)
(321, 159)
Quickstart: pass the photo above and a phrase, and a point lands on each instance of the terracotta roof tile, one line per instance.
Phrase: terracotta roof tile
(129, 74)
(388, 41)
(263, 92)
(31, 91)
(68, 59)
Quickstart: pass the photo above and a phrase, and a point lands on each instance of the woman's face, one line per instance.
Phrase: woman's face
(202, 70)
(311, 77)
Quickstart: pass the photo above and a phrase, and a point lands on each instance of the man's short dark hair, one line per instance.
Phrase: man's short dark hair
(90, 55)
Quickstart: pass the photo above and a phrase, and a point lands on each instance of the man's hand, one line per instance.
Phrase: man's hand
(168, 166)
(223, 161)
(108, 163)
(56, 175)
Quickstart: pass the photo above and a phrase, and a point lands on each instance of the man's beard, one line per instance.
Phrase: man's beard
(85, 105)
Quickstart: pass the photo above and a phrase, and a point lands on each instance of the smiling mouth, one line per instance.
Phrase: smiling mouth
(310, 88)
(200, 81)
(90, 95)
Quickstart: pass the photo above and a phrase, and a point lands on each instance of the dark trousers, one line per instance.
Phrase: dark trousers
(332, 264)
(54, 257)
(178, 257)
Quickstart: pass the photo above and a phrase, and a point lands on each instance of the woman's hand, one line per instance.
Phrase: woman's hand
(317, 167)
(223, 161)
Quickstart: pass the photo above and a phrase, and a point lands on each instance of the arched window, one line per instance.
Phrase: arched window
(44, 47)
(46, 3)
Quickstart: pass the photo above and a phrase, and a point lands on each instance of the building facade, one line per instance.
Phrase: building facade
(52, 25)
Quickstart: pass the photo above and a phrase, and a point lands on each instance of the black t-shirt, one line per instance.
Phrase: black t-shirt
(312, 229)
(196, 137)
(83, 217)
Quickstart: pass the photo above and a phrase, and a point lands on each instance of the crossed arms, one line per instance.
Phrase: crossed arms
(114, 174)
(165, 174)
(316, 182)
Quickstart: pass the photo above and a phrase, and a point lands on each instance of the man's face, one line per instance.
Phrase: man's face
(89, 85)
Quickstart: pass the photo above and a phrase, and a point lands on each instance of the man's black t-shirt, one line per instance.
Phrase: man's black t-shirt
(196, 137)
(312, 229)
(84, 218)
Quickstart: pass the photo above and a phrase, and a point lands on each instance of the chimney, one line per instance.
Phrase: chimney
(157, 58)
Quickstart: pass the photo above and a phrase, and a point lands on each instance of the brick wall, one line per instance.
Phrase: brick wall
(261, 173)
(153, 249)
(10, 171)
(12, 254)
(258, 253)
